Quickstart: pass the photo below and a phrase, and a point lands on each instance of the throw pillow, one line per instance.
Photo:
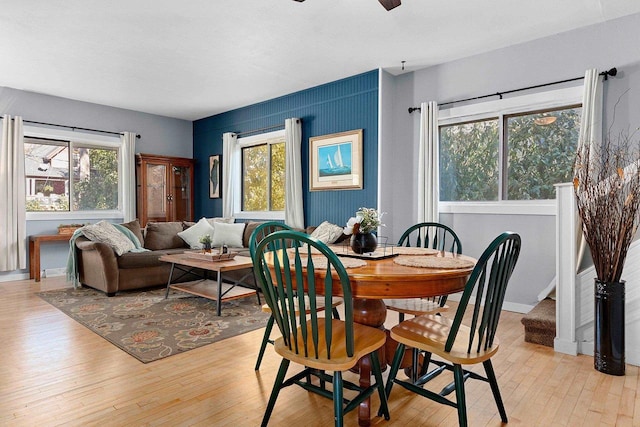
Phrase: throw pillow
(163, 235)
(327, 233)
(105, 232)
(192, 234)
(215, 220)
(135, 228)
(228, 234)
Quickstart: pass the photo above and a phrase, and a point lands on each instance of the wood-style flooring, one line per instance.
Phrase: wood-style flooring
(54, 371)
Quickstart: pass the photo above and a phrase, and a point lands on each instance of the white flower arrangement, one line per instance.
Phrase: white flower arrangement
(365, 221)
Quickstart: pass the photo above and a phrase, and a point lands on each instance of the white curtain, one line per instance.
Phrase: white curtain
(428, 171)
(13, 252)
(590, 133)
(229, 141)
(293, 211)
(128, 160)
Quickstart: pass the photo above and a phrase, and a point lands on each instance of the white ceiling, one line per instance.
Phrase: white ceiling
(195, 58)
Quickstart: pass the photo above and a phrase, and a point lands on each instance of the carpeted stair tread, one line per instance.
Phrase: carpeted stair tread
(540, 323)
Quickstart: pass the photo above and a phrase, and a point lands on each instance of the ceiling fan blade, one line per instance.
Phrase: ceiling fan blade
(390, 4)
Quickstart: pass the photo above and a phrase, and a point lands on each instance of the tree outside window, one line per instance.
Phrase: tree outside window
(537, 152)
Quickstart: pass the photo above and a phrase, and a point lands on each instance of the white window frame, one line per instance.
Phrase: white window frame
(84, 140)
(553, 99)
(263, 138)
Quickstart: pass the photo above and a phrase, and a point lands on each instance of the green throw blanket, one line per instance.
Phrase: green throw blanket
(72, 261)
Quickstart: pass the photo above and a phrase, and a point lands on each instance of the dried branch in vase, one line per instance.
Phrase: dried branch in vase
(607, 188)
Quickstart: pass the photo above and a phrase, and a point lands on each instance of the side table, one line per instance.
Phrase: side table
(34, 250)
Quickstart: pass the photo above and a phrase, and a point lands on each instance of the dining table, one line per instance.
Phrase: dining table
(395, 272)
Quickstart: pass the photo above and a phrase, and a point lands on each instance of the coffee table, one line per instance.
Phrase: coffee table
(202, 268)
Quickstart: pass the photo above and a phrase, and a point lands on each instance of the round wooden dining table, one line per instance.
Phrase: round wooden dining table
(385, 279)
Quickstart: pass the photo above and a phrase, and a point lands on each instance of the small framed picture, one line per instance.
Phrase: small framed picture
(335, 161)
(215, 176)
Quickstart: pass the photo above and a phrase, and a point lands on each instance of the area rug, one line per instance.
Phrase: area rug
(148, 327)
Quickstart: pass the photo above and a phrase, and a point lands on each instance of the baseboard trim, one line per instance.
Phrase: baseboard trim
(12, 277)
(566, 347)
(54, 272)
(508, 306)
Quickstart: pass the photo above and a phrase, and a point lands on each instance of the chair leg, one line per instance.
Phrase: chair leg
(265, 341)
(336, 314)
(415, 353)
(397, 358)
(400, 317)
(377, 372)
(491, 376)
(284, 365)
(338, 408)
(458, 375)
(425, 363)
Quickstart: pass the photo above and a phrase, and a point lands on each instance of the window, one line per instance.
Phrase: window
(262, 175)
(71, 175)
(511, 151)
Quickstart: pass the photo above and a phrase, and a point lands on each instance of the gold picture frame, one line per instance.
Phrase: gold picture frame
(335, 161)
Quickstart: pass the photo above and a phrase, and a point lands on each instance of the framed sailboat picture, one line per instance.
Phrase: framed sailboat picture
(335, 161)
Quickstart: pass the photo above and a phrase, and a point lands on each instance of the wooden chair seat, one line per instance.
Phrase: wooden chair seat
(415, 306)
(366, 339)
(335, 301)
(430, 332)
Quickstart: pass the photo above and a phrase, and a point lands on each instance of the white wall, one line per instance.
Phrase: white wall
(559, 57)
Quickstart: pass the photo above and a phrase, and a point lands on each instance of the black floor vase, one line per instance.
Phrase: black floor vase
(608, 351)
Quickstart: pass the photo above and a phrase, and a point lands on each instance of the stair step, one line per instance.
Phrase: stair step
(540, 323)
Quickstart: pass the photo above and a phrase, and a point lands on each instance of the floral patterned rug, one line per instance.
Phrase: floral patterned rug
(148, 327)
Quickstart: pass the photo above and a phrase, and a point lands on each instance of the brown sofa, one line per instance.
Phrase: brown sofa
(100, 268)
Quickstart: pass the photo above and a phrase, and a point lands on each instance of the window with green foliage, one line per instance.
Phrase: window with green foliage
(510, 157)
(263, 175)
(59, 171)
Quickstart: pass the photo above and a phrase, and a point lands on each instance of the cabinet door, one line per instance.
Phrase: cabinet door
(180, 197)
(156, 195)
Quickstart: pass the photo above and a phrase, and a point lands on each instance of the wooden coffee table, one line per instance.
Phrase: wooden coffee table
(202, 268)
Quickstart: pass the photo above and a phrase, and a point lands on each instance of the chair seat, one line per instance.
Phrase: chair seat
(366, 339)
(415, 306)
(335, 301)
(430, 333)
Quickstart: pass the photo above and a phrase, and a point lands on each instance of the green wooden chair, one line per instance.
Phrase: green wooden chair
(258, 234)
(460, 344)
(430, 235)
(291, 279)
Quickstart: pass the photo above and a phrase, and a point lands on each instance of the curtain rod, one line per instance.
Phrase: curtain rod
(74, 127)
(281, 126)
(612, 72)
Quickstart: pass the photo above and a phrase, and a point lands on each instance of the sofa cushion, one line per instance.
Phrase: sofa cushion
(145, 259)
(163, 235)
(105, 232)
(229, 234)
(192, 234)
(135, 228)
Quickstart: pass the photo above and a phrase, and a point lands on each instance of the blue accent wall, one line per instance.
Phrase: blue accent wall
(339, 106)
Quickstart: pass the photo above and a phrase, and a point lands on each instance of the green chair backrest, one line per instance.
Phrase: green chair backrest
(287, 276)
(431, 235)
(489, 280)
(263, 230)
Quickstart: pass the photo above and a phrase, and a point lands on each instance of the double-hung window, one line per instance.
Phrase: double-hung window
(261, 177)
(73, 173)
(511, 150)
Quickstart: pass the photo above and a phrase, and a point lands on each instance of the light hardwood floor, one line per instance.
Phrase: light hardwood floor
(56, 372)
